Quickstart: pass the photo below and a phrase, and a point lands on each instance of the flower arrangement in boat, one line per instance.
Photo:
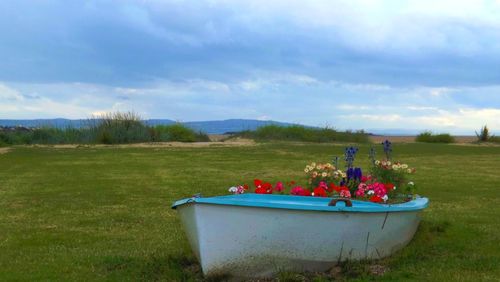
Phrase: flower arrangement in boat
(386, 181)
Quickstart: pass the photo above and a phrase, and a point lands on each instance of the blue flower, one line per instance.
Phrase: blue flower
(350, 154)
(387, 148)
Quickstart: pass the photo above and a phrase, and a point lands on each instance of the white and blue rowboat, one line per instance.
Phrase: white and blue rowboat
(254, 235)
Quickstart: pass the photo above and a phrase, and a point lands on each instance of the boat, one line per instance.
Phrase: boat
(259, 235)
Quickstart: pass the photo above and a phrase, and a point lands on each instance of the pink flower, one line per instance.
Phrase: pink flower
(323, 185)
(345, 194)
(379, 189)
(360, 193)
(297, 190)
(361, 190)
(279, 186)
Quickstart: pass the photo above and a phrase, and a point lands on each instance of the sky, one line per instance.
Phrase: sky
(364, 64)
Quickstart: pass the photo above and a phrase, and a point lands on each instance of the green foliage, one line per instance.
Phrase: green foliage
(118, 128)
(177, 132)
(483, 135)
(110, 128)
(429, 137)
(304, 134)
(494, 139)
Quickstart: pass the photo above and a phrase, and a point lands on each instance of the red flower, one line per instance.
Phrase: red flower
(389, 186)
(336, 188)
(376, 199)
(262, 188)
(245, 187)
(331, 187)
(306, 192)
(319, 192)
(365, 179)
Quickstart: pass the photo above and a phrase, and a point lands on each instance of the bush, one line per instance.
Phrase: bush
(177, 132)
(429, 137)
(118, 128)
(111, 128)
(305, 134)
(483, 135)
(494, 139)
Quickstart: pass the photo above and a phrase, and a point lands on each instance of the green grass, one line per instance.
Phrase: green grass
(104, 213)
(304, 134)
(429, 137)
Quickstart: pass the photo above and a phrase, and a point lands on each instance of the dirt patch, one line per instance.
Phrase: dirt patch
(4, 150)
(219, 137)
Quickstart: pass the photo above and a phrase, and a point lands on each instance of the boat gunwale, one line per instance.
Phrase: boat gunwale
(289, 202)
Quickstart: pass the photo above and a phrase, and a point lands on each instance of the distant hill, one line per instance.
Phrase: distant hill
(210, 127)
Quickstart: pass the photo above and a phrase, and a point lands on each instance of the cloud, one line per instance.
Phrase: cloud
(134, 43)
(351, 64)
(342, 105)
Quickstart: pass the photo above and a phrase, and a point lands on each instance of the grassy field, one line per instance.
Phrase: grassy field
(103, 213)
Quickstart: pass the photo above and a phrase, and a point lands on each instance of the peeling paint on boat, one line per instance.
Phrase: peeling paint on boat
(253, 235)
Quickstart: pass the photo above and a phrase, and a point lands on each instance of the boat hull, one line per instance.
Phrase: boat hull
(246, 241)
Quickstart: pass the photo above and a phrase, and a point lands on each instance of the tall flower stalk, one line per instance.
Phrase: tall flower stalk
(387, 149)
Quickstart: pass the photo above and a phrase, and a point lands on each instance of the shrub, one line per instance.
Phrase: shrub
(483, 135)
(118, 128)
(177, 132)
(494, 139)
(429, 137)
(110, 128)
(306, 134)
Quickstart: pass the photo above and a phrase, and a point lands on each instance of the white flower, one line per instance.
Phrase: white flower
(306, 170)
(388, 163)
(233, 189)
(404, 166)
(313, 164)
(371, 192)
(411, 183)
(385, 198)
(344, 175)
(377, 162)
(395, 167)
(409, 170)
(324, 174)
